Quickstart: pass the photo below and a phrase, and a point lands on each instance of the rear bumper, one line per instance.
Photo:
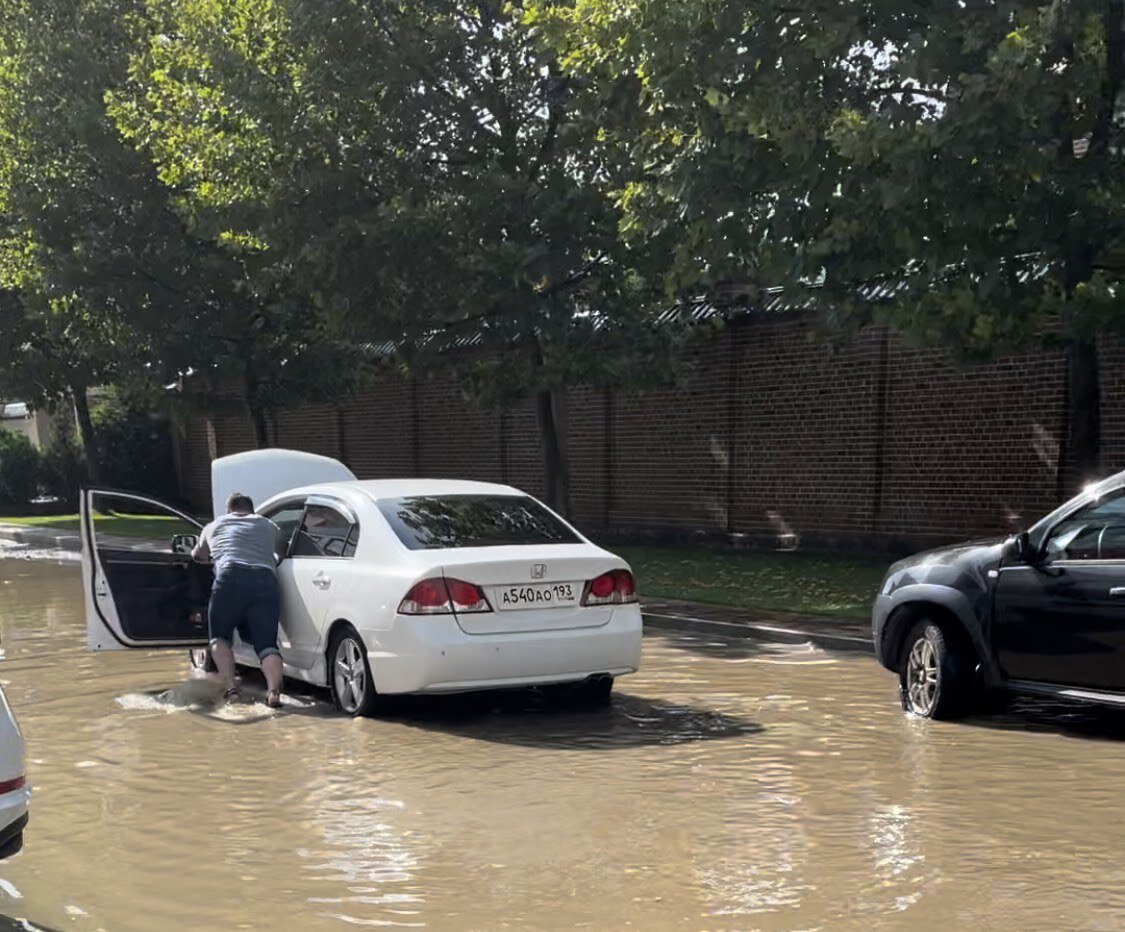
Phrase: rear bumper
(11, 837)
(433, 655)
(13, 820)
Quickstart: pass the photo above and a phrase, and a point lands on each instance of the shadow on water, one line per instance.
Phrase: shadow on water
(525, 718)
(529, 720)
(1046, 716)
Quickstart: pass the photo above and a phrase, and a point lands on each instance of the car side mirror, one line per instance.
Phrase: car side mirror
(1024, 551)
(184, 543)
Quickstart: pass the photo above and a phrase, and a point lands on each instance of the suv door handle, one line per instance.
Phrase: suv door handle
(321, 581)
(1117, 591)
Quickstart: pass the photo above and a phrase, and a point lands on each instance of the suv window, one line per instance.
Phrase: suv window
(1096, 532)
(442, 522)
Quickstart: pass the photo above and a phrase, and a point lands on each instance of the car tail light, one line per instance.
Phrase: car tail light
(7, 786)
(441, 596)
(466, 597)
(616, 587)
(429, 597)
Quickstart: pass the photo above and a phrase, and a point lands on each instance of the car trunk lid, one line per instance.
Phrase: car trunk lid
(531, 588)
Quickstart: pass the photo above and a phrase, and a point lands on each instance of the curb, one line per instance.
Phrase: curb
(799, 631)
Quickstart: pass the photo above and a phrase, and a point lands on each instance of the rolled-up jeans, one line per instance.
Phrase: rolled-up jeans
(246, 599)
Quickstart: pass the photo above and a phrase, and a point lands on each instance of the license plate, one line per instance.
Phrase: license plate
(539, 595)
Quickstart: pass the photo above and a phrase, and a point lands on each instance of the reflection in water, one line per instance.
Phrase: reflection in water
(759, 871)
(896, 854)
(735, 785)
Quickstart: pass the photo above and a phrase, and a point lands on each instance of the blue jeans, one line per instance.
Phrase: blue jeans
(246, 599)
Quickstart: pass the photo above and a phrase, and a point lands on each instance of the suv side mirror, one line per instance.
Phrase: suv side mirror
(184, 543)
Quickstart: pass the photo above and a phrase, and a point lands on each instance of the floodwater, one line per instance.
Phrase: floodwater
(733, 785)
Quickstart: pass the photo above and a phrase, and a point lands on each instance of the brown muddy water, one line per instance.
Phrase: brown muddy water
(733, 785)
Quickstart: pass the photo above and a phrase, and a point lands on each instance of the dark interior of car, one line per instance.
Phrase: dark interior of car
(157, 593)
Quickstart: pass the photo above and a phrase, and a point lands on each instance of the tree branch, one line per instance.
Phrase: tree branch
(554, 110)
(575, 277)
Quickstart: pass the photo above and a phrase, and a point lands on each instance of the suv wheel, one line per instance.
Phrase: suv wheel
(935, 673)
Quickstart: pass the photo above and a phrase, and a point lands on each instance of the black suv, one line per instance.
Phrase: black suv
(1041, 612)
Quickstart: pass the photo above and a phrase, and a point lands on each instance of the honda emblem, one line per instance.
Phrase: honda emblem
(538, 570)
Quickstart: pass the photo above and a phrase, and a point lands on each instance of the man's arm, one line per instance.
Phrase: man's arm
(281, 544)
(202, 551)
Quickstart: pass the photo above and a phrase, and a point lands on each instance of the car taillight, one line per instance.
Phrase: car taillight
(466, 597)
(614, 588)
(440, 596)
(7, 786)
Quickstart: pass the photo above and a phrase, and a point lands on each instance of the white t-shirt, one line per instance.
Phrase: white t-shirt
(245, 540)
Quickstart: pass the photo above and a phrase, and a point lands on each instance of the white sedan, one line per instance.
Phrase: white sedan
(387, 586)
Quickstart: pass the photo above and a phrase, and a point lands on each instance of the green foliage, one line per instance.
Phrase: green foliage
(831, 145)
(109, 268)
(136, 448)
(400, 170)
(399, 174)
(64, 466)
(21, 469)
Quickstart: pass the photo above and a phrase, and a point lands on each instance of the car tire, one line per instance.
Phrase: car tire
(354, 693)
(200, 659)
(594, 693)
(935, 673)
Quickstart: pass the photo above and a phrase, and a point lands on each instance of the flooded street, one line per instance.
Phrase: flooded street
(733, 785)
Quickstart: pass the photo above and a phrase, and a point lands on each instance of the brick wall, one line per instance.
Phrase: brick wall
(769, 434)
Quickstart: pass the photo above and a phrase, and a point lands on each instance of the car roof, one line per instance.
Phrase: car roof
(377, 489)
(1090, 493)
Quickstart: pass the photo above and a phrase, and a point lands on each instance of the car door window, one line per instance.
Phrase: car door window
(287, 517)
(1095, 532)
(146, 588)
(126, 522)
(325, 532)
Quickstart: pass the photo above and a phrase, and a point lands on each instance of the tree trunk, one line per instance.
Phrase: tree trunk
(257, 411)
(86, 432)
(561, 411)
(1083, 435)
(556, 478)
(261, 427)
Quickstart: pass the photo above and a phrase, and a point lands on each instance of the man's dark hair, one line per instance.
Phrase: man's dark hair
(239, 502)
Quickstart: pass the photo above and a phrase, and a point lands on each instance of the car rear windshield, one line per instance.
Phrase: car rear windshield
(442, 522)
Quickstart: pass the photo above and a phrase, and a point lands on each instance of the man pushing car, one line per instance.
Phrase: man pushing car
(245, 595)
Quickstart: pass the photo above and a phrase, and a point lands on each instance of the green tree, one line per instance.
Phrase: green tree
(51, 357)
(419, 174)
(969, 156)
(117, 280)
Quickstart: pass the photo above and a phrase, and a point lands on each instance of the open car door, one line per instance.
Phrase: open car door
(142, 588)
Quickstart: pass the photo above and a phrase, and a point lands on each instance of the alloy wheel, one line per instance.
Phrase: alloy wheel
(200, 659)
(922, 677)
(350, 675)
